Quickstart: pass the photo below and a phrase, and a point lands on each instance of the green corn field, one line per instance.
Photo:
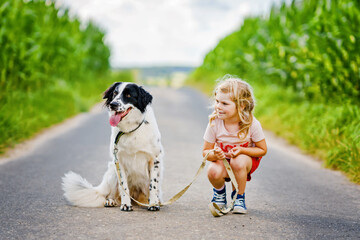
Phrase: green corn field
(312, 49)
(311, 46)
(40, 44)
(51, 67)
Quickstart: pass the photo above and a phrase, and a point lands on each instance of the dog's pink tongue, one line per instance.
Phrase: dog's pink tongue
(115, 119)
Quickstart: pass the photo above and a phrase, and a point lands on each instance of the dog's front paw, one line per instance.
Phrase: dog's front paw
(125, 207)
(110, 203)
(154, 208)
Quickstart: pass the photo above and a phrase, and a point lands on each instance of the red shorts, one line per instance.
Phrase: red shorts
(255, 165)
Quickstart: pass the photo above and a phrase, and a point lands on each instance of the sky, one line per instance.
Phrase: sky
(143, 33)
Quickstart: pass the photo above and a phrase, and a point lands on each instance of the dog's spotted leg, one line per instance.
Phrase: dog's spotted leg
(124, 192)
(154, 186)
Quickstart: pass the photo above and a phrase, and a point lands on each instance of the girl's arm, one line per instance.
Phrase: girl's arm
(218, 154)
(259, 150)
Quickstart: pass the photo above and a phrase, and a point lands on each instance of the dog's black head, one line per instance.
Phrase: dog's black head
(122, 97)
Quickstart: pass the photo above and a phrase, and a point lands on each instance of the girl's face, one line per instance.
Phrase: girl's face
(225, 107)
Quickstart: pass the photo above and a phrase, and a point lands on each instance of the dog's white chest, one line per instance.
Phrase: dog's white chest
(141, 141)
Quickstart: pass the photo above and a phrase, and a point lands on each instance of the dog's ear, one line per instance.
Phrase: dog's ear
(144, 99)
(108, 94)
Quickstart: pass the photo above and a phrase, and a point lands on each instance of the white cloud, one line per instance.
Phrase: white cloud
(160, 32)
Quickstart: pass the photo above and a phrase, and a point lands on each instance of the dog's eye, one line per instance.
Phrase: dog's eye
(115, 93)
(128, 95)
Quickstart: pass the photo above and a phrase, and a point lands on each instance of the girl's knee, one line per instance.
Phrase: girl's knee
(215, 172)
(241, 163)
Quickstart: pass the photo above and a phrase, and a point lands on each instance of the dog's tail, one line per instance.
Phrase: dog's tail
(79, 192)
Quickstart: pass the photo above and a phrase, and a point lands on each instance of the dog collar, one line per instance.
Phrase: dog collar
(122, 133)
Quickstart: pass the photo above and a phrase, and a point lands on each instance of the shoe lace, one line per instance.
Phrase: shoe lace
(219, 197)
(240, 202)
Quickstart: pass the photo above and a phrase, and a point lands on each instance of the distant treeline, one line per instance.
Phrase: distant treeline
(162, 72)
(312, 46)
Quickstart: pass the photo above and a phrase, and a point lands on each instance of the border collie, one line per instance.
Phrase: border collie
(139, 153)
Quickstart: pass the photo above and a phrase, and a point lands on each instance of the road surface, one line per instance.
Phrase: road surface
(289, 197)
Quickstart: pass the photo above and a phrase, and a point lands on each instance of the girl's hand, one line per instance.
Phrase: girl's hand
(235, 151)
(219, 154)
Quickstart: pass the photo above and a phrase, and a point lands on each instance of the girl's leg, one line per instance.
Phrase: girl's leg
(241, 166)
(217, 173)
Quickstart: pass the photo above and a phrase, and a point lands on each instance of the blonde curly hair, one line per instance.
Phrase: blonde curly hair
(241, 94)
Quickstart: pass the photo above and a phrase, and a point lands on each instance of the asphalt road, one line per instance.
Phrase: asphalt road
(289, 197)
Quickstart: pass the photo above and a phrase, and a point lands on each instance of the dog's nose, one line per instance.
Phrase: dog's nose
(114, 105)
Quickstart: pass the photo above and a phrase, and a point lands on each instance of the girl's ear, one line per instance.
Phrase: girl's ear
(240, 104)
(144, 99)
(242, 107)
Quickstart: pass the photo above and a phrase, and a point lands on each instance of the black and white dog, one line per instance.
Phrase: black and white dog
(140, 155)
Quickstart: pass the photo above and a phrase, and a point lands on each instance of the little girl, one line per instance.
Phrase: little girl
(236, 135)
